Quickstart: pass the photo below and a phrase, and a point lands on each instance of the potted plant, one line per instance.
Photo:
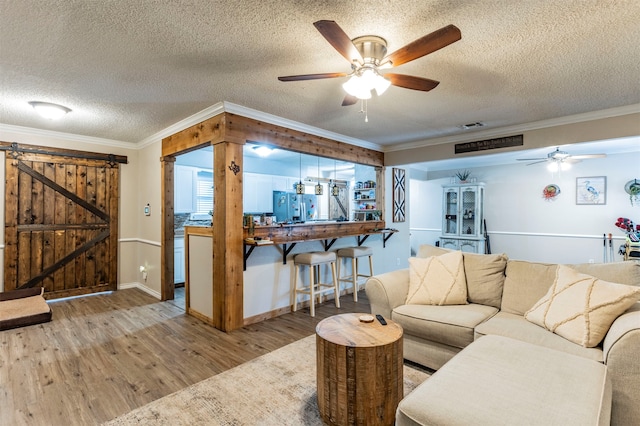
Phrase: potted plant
(463, 176)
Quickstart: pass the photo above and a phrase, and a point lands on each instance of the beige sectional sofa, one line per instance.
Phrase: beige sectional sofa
(500, 292)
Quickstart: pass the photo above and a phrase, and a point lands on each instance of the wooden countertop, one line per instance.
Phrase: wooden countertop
(312, 231)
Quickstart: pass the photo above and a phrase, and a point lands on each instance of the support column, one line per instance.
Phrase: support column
(228, 250)
(167, 187)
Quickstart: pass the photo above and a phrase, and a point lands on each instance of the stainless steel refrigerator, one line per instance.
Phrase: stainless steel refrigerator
(291, 207)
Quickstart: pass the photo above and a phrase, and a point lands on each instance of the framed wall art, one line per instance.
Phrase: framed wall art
(591, 190)
(399, 205)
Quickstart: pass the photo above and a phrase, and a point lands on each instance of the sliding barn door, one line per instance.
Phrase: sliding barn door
(61, 222)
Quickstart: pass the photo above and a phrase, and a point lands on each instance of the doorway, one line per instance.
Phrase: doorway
(61, 220)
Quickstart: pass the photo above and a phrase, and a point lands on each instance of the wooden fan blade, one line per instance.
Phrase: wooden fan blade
(424, 45)
(587, 156)
(312, 76)
(349, 100)
(411, 82)
(339, 40)
(531, 159)
(537, 162)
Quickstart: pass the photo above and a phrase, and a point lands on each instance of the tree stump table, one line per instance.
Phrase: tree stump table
(359, 370)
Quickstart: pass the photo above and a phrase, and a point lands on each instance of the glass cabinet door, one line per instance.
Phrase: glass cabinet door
(468, 211)
(450, 225)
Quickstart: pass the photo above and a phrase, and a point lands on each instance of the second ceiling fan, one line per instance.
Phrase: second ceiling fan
(368, 56)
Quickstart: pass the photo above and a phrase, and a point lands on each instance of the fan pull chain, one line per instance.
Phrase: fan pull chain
(366, 114)
(363, 110)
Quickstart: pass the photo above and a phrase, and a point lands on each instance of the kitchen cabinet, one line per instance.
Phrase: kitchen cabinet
(463, 217)
(184, 189)
(257, 193)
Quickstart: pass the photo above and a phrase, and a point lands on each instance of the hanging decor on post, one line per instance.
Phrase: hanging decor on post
(318, 186)
(300, 186)
(398, 195)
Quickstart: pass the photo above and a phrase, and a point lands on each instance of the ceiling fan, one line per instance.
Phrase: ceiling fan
(368, 56)
(561, 159)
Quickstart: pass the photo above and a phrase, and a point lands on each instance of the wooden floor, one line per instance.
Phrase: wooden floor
(106, 354)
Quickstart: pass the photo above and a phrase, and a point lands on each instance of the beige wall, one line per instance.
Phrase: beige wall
(149, 227)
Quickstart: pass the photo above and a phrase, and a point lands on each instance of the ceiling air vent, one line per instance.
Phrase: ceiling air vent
(472, 125)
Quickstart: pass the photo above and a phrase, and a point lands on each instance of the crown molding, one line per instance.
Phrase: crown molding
(519, 128)
(192, 120)
(254, 114)
(31, 131)
(295, 125)
(225, 106)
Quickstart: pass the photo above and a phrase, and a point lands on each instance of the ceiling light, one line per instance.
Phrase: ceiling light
(263, 151)
(555, 165)
(48, 110)
(360, 85)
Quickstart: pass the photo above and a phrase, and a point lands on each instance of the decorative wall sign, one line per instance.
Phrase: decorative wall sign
(507, 141)
(591, 190)
(234, 168)
(398, 195)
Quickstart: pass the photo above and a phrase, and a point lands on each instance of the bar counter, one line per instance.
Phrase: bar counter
(325, 231)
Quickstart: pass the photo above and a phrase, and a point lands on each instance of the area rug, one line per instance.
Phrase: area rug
(278, 388)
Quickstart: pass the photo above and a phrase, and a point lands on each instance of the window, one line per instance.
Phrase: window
(204, 192)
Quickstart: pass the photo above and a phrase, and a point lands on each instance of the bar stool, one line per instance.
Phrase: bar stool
(314, 260)
(354, 253)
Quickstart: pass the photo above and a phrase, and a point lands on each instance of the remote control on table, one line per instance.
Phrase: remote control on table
(381, 319)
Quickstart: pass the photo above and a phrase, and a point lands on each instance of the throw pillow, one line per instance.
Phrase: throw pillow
(485, 277)
(437, 280)
(581, 308)
(427, 250)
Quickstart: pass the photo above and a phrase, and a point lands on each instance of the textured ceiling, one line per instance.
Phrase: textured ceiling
(130, 68)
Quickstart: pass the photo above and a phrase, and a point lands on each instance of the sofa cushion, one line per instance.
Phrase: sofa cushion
(437, 280)
(484, 274)
(427, 250)
(501, 381)
(581, 308)
(485, 277)
(615, 272)
(525, 283)
(516, 327)
(451, 325)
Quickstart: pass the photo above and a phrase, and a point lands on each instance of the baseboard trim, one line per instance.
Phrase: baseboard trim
(142, 287)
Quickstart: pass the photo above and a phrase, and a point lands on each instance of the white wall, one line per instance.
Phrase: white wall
(523, 224)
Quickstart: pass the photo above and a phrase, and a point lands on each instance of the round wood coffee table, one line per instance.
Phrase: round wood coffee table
(359, 370)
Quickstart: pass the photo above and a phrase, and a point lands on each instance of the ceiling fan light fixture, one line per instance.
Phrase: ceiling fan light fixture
(364, 81)
(49, 111)
(355, 86)
(381, 84)
(552, 166)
